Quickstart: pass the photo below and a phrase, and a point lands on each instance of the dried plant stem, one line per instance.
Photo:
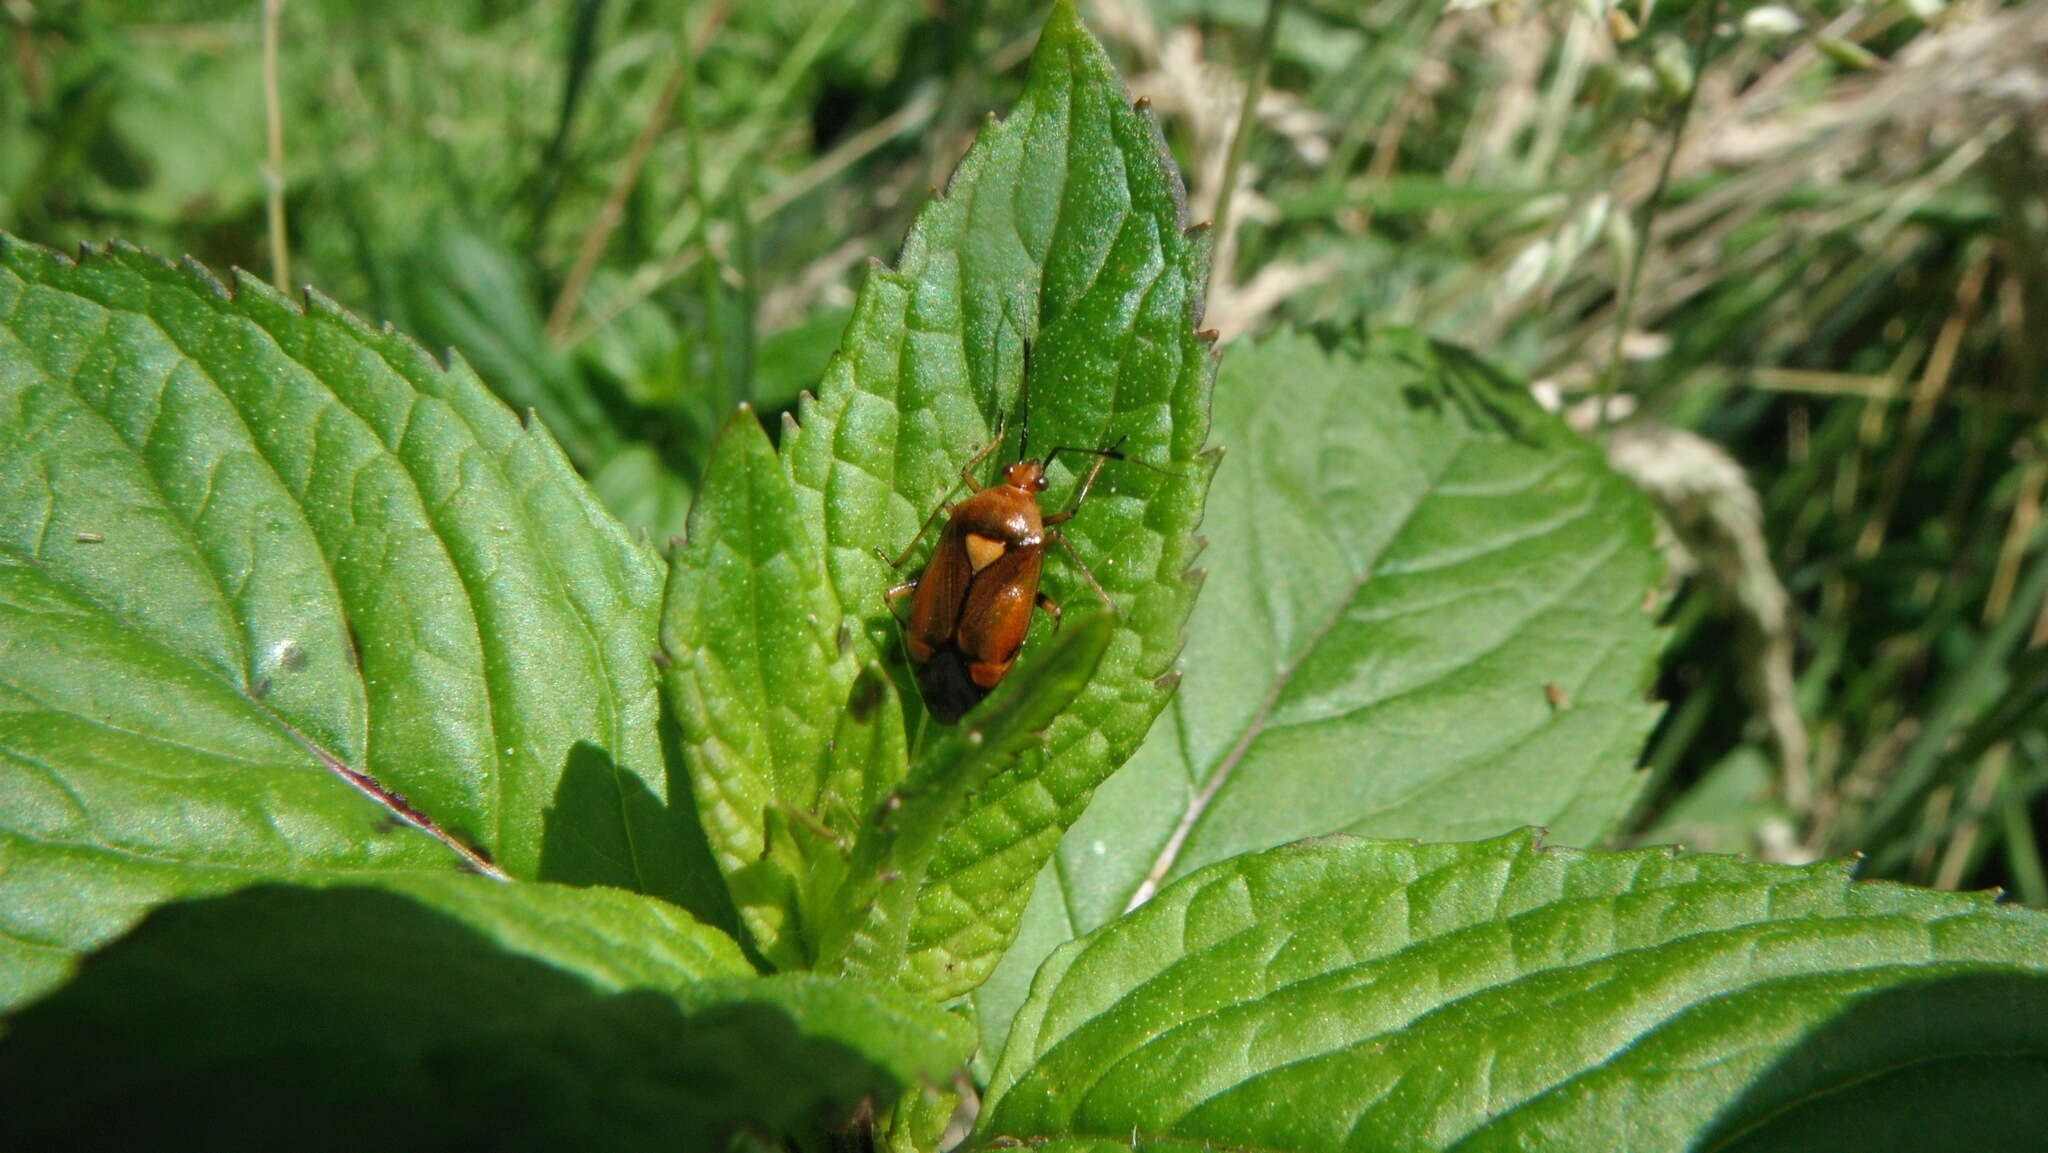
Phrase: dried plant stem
(849, 152)
(687, 226)
(2026, 514)
(1920, 768)
(1386, 143)
(1859, 385)
(1574, 57)
(1624, 312)
(1425, 33)
(1241, 139)
(613, 210)
(599, 234)
(1933, 382)
(651, 278)
(273, 172)
(21, 20)
(1935, 817)
(1962, 847)
(681, 238)
(2022, 854)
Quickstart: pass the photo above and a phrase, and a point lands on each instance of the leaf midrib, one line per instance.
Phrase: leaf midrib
(542, 558)
(1176, 842)
(296, 868)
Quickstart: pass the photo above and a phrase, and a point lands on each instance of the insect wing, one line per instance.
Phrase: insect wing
(941, 591)
(998, 613)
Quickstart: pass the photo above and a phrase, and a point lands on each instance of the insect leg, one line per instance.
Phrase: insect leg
(967, 475)
(1102, 457)
(938, 512)
(981, 454)
(1051, 608)
(1082, 565)
(896, 593)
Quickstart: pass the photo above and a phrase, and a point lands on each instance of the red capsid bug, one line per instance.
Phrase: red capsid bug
(972, 605)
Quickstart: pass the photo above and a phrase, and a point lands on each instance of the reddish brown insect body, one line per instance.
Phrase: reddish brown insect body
(973, 604)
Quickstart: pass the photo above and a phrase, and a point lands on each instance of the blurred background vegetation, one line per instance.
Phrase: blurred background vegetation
(1789, 262)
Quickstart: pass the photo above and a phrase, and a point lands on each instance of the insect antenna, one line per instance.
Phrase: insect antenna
(1024, 408)
(1113, 451)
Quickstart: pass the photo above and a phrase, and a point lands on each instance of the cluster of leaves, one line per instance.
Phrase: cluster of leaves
(1848, 240)
(362, 773)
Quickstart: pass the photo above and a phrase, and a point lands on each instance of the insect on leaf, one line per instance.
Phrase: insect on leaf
(1409, 558)
(1063, 226)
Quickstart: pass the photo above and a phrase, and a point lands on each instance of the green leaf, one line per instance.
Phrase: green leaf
(279, 597)
(1063, 226)
(1407, 555)
(1346, 993)
(1065, 223)
(760, 680)
(893, 922)
(466, 291)
(422, 1015)
(469, 292)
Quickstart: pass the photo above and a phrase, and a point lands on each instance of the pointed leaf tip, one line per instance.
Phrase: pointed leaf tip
(1063, 226)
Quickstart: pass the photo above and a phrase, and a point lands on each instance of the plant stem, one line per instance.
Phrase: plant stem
(614, 208)
(582, 50)
(1240, 140)
(1921, 766)
(2023, 854)
(1611, 379)
(679, 238)
(687, 225)
(273, 172)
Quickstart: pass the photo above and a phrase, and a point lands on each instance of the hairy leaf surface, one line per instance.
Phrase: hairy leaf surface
(1345, 993)
(281, 596)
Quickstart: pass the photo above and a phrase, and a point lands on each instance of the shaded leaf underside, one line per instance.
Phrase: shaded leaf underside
(421, 1014)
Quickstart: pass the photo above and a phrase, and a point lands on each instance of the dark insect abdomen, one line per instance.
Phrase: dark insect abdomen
(947, 688)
